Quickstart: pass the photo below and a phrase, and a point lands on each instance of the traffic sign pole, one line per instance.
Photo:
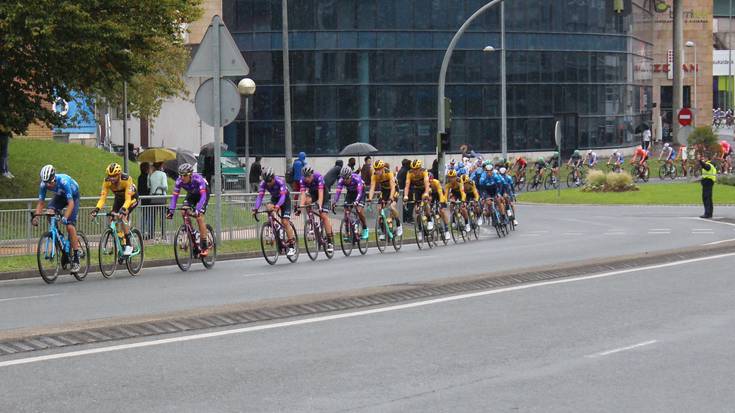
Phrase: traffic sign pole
(217, 77)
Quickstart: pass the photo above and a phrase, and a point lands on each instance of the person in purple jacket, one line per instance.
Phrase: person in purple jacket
(355, 195)
(312, 189)
(197, 197)
(280, 201)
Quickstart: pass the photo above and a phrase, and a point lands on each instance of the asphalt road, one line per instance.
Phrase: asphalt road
(656, 340)
(547, 235)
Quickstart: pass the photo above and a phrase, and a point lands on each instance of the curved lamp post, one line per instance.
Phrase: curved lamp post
(441, 127)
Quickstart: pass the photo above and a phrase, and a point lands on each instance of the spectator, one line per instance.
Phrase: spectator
(255, 170)
(709, 177)
(131, 152)
(332, 175)
(646, 138)
(367, 170)
(352, 163)
(157, 185)
(298, 165)
(435, 169)
(208, 169)
(401, 177)
(4, 153)
(144, 190)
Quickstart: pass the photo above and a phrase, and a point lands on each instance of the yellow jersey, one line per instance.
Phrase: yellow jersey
(454, 187)
(436, 188)
(124, 187)
(471, 188)
(416, 180)
(383, 180)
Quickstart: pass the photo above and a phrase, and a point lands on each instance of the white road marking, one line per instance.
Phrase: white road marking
(28, 297)
(573, 233)
(530, 235)
(720, 242)
(659, 229)
(614, 233)
(714, 221)
(313, 320)
(620, 349)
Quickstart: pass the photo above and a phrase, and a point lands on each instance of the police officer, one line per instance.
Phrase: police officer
(709, 177)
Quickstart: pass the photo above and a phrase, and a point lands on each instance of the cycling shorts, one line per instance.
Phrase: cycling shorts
(120, 201)
(351, 196)
(285, 208)
(60, 202)
(314, 195)
(192, 200)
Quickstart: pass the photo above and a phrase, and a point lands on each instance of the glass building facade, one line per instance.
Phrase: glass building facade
(367, 70)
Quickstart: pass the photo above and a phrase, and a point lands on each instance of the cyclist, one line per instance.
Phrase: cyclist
(355, 193)
(438, 196)
(126, 199)
(280, 202)
(461, 169)
(519, 168)
(591, 159)
(575, 162)
(668, 154)
(469, 188)
(66, 195)
(554, 162)
(682, 156)
(383, 177)
(640, 157)
(197, 197)
(726, 155)
(507, 190)
(311, 187)
(418, 186)
(454, 190)
(491, 183)
(616, 159)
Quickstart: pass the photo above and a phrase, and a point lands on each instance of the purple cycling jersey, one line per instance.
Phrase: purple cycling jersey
(279, 189)
(356, 184)
(196, 184)
(316, 184)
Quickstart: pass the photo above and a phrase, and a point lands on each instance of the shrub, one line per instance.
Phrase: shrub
(596, 178)
(703, 139)
(726, 180)
(619, 182)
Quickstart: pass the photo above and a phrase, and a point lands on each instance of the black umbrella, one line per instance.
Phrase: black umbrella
(640, 128)
(182, 156)
(357, 149)
(208, 149)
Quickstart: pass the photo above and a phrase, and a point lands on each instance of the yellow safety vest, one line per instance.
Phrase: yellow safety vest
(711, 174)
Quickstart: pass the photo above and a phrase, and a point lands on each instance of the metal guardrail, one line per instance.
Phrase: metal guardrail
(19, 237)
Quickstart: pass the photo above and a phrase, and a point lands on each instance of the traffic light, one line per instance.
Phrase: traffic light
(444, 141)
(448, 113)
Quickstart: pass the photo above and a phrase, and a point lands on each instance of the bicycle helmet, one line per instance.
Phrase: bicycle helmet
(417, 164)
(345, 173)
(540, 159)
(666, 145)
(589, 152)
(113, 169)
(378, 165)
(489, 168)
(464, 179)
(48, 173)
(556, 153)
(503, 170)
(307, 170)
(501, 161)
(267, 174)
(186, 169)
(576, 152)
(451, 173)
(453, 161)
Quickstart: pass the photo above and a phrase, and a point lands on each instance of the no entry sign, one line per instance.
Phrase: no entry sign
(685, 117)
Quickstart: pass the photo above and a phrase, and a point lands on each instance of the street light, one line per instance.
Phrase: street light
(488, 49)
(696, 67)
(503, 89)
(246, 87)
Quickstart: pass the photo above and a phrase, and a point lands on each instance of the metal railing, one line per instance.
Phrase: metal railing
(19, 237)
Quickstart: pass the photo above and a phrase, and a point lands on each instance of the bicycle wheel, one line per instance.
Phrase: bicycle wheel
(570, 180)
(269, 244)
(646, 173)
(381, 233)
(346, 236)
(397, 239)
(107, 253)
(418, 231)
(183, 251)
(429, 235)
(84, 258)
(441, 230)
(635, 174)
(362, 244)
(674, 172)
(134, 263)
(211, 257)
(295, 257)
(48, 257)
(311, 239)
(475, 228)
(662, 171)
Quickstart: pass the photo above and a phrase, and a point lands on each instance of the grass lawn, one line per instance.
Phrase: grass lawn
(152, 252)
(649, 194)
(86, 165)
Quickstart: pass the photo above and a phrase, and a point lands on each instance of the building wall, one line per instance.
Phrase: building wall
(697, 28)
(199, 27)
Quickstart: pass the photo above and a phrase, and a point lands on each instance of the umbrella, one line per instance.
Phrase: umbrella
(640, 128)
(357, 149)
(208, 149)
(155, 155)
(182, 156)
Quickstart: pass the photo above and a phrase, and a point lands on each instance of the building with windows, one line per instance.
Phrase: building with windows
(367, 70)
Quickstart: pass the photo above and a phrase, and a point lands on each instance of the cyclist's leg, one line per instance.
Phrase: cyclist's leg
(286, 219)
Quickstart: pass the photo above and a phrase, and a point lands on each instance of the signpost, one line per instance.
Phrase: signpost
(685, 117)
(557, 140)
(217, 56)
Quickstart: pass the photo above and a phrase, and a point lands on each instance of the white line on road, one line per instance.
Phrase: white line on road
(28, 297)
(659, 229)
(320, 319)
(720, 242)
(620, 349)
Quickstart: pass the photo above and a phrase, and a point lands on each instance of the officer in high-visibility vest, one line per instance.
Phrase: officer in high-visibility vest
(709, 177)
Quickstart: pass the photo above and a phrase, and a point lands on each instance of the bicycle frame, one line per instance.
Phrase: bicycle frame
(56, 238)
(314, 218)
(383, 205)
(118, 219)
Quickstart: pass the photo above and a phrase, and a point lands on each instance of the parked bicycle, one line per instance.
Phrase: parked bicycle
(54, 252)
(349, 231)
(385, 228)
(187, 243)
(273, 239)
(315, 236)
(112, 244)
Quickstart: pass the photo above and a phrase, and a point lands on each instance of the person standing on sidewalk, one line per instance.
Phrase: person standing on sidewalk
(4, 144)
(647, 139)
(158, 185)
(254, 178)
(709, 177)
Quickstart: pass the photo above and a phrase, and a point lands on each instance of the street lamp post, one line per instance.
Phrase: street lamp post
(286, 85)
(246, 87)
(696, 69)
(503, 96)
(441, 126)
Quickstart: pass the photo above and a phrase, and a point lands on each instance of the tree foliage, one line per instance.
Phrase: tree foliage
(50, 48)
(704, 140)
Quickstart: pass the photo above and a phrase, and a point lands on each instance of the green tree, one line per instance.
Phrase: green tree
(50, 48)
(704, 141)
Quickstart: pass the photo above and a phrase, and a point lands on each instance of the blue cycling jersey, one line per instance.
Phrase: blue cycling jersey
(65, 186)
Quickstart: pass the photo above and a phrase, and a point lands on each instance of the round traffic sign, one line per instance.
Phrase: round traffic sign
(685, 117)
(229, 102)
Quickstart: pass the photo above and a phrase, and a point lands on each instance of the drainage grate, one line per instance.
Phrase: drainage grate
(403, 294)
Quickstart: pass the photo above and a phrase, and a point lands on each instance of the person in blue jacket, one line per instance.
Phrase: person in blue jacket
(298, 166)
